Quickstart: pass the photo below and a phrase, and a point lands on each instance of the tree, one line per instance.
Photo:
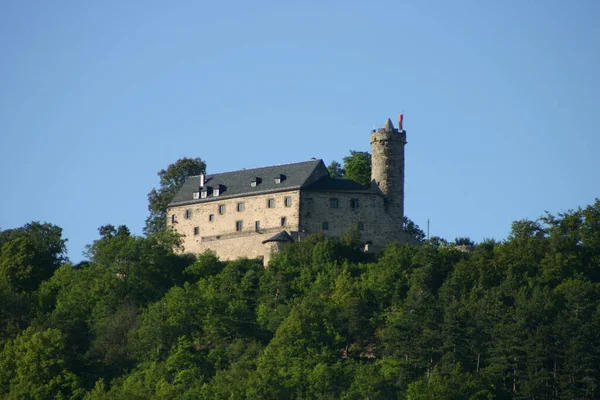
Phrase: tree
(171, 180)
(358, 167)
(31, 254)
(464, 241)
(335, 170)
(412, 229)
(108, 231)
(456, 385)
(35, 366)
(304, 339)
(146, 267)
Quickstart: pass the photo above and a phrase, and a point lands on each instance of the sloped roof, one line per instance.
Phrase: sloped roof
(282, 236)
(237, 183)
(338, 184)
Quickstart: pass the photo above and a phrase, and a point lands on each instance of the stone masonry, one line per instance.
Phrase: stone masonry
(374, 225)
(387, 169)
(220, 232)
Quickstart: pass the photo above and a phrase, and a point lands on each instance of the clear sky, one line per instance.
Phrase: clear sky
(501, 101)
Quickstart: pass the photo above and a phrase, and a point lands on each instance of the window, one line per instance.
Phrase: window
(240, 207)
(173, 219)
(271, 203)
(353, 203)
(325, 225)
(216, 191)
(188, 214)
(196, 230)
(334, 203)
(277, 180)
(283, 221)
(221, 209)
(253, 183)
(196, 195)
(288, 201)
(257, 226)
(238, 226)
(204, 193)
(361, 226)
(211, 217)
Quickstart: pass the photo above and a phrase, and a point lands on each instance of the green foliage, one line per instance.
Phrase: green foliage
(464, 241)
(171, 180)
(455, 386)
(29, 255)
(206, 264)
(15, 311)
(335, 170)
(412, 229)
(35, 365)
(357, 166)
(513, 319)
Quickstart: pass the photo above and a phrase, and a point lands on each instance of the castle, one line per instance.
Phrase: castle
(252, 212)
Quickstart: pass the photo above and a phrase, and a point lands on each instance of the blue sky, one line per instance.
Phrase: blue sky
(501, 101)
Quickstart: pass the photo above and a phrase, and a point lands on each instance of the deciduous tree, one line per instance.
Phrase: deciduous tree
(171, 180)
(335, 170)
(31, 254)
(358, 167)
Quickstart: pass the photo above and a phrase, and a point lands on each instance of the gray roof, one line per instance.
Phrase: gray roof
(337, 184)
(307, 175)
(237, 183)
(282, 236)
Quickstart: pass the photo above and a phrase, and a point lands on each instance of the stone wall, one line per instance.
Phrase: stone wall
(387, 167)
(221, 235)
(378, 227)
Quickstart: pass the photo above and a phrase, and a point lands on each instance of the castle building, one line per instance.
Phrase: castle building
(253, 212)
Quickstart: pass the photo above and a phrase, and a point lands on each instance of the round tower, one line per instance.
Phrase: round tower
(387, 167)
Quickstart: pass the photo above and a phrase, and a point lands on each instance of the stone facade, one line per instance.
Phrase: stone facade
(247, 213)
(365, 211)
(222, 232)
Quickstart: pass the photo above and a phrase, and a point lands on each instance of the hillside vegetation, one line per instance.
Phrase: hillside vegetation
(494, 320)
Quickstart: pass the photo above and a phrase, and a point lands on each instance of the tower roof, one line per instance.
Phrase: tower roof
(388, 126)
(282, 236)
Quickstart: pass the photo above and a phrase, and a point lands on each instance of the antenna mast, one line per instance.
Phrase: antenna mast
(427, 228)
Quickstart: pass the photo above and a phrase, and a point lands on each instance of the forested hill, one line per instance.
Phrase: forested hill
(495, 320)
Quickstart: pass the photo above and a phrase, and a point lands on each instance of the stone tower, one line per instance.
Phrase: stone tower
(387, 167)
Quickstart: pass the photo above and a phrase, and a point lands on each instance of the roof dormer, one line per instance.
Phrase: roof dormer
(205, 192)
(255, 182)
(279, 178)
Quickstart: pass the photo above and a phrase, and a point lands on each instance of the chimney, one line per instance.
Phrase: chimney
(400, 120)
(202, 180)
